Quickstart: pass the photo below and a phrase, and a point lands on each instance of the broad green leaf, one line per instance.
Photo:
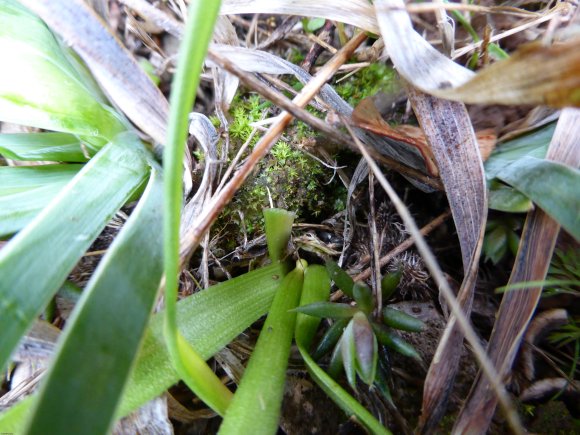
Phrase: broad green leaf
(363, 296)
(551, 185)
(36, 262)
(506, 198)
(256, 405)
(14, 179)
(19, 209)
(348, 351)
(208, 325)
(26, 190)
(389, 284)
(534, 144)
(102, 336)
(54, 147)
(330, 338)
(40, 86)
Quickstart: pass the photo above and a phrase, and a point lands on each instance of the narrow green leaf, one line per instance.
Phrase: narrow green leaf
(54, 147)
(330, 338)
(316, 288)
(551, 185)
(392, 339)
(400, 320)
(278, 223)
(102, 336)
(256, 405)
(207, 324)
(342, 279)
(37, 260)
(328, 309)
(40, 87)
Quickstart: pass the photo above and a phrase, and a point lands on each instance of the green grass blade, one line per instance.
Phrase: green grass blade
(54, 147)
(551, 185)
(37, 260)
(40, 87)
(256, 405)
(201, 20)
(316, 288)
(208, 325)
(103, 335)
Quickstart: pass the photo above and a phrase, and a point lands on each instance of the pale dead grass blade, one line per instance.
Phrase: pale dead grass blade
(359, 13)
(517, 307)
(112, 65)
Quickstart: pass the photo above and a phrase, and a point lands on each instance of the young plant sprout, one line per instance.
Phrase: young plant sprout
(356, 333)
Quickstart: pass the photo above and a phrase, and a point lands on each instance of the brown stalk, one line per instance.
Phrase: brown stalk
(210, 213)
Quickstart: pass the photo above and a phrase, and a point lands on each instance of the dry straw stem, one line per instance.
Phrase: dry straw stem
(437, 274)
(210, 213)
(517, 307)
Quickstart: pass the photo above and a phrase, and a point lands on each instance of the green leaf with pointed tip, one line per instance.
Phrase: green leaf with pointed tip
(256, 405)
(330, 338)
(102, 336)
(342, 279)
(400, 320)
(41, 87)
(54, 147)
(392, 339)
(36, 262)
(328, 309)
(551, 185)
(508, 199)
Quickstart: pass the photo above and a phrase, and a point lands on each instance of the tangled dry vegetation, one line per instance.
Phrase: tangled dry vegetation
(381, 100)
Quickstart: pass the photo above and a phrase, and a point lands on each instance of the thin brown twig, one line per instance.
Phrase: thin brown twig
(210, 213)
